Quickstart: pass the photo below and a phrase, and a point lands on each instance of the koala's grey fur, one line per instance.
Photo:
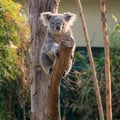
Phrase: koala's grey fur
(57, 25)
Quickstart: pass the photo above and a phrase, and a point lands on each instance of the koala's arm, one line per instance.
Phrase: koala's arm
(49, 52)
(52, 48)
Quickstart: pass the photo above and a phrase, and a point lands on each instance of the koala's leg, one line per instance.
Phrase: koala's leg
(46, 63)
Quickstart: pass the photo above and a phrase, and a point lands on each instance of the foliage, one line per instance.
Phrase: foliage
(13, 31)
(79, 92)
(115, 36)
(78, 100)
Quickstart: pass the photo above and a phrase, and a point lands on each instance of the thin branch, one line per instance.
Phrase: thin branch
(66, 47)
(107, 60)
(96, 86)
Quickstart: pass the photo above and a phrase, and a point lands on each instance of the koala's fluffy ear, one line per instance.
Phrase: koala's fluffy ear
(45, 16)
(69, 17)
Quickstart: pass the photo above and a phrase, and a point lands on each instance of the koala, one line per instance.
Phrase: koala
(57, 25)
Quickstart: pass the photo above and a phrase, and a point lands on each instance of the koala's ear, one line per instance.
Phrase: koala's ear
(45, 16)
(69, 17)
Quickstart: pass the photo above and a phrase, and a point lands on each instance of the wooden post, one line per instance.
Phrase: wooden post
(107, 60)
(61, 62)
(96, 86)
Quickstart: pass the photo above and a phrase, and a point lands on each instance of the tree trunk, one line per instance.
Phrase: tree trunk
(39, 81)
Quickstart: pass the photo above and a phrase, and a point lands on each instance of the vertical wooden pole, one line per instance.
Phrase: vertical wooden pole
(107, 60)
(96, 86)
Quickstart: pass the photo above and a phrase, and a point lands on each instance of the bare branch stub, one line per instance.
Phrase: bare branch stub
(67, 44)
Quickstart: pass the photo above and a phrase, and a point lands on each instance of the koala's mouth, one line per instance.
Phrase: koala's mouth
(58, 31)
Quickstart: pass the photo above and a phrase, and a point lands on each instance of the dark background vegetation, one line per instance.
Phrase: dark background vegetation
(78, 100)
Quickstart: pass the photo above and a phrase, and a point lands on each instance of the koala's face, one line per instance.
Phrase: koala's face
(58, 23)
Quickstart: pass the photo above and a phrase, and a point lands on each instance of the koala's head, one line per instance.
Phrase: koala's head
(58, 23)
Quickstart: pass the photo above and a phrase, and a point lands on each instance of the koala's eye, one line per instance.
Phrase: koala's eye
(63, 24)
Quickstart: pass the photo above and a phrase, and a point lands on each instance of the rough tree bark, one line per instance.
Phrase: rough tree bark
(39, 81)
(67, 45)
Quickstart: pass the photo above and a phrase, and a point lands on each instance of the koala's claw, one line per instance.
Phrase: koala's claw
(50, 70)
(64, 74)
(57, 53)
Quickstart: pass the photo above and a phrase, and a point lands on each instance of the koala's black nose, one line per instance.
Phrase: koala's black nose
(58, 27)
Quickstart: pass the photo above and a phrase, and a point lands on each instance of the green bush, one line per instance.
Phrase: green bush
(12, 60)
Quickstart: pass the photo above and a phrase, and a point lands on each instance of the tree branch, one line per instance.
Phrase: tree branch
(67, 44)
